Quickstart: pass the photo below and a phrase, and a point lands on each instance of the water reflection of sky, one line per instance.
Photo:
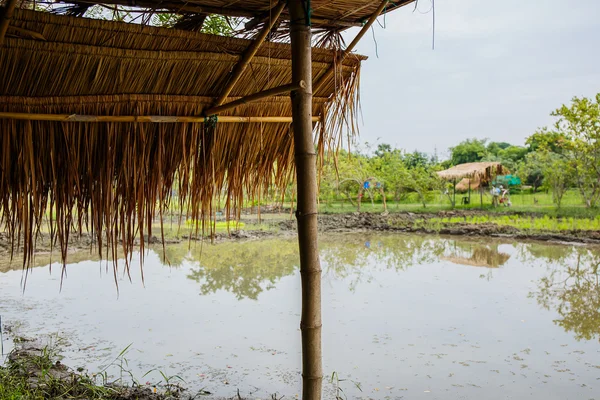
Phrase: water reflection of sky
(413, 316)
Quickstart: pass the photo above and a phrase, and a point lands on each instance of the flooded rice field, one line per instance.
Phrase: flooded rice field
(405, 316)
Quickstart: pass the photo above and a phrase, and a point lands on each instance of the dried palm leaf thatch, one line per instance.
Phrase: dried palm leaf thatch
(114, 178)
(325, 14)
(468, 183)
(482, 171)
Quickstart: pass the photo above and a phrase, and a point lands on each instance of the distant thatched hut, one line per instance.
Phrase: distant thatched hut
(467, 184)
(473, 175)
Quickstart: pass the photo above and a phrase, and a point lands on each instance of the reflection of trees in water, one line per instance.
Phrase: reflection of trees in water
(248, 268)
(531, 252)
(571, 285)
(572, 288)
(359, 257)
(243, 268)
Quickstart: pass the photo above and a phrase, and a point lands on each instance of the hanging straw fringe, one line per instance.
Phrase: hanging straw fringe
(113, 178)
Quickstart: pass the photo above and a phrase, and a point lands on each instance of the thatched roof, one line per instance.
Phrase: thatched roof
(466, 183)
(483, 171)
(114, 177)
(326, 15)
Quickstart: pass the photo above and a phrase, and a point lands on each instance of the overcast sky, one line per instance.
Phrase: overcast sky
(498, 69)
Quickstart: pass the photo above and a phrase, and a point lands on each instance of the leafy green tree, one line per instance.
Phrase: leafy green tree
(546, 140)
(558, 175)
(416, 159)
(579, 122)
(531, 170)
(219, 25)
(494, 148)
(423, 181)
(353, 171)
(382, 149)
(467, 151)
(394, 174)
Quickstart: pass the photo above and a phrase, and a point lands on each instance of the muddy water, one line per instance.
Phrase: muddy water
(411, 317)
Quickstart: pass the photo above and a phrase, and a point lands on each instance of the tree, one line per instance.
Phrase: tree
(580, 124)
(531, 170)
(382, 149)
(219, 25)
(423, 180)
(354, 170)
(416, 159)
(394, 173)
(546, 140)
(467, 151)
(495, 147)
(558, 174)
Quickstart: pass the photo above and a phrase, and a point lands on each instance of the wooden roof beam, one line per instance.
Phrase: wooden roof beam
(327, 74)
(255, 97)
(249, 53)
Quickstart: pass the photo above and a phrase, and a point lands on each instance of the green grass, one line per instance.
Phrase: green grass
(16, 380)
(524, 223)
(15, 385)
(540, 203)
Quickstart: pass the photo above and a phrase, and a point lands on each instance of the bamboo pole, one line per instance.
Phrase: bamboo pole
(249, 53)
(255, 97)
(321, 81)
(469, 190)
(306, 211)
(454, 193)
(140, 118)
(9, 8)
(480, 195)
(27, 32)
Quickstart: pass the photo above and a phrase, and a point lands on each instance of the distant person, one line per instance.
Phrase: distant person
(495, 195)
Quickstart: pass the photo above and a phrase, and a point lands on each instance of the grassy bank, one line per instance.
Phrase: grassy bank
(538, 203)
(524, 223)
(33, 372)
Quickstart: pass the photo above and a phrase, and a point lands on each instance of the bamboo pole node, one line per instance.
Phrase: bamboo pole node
(311, 327)
(314, 378)
(311, 272)
(300, 214)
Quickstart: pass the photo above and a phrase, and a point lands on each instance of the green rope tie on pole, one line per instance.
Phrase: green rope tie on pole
(308, 13)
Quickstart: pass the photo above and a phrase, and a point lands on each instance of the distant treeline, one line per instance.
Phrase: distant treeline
(563, 156)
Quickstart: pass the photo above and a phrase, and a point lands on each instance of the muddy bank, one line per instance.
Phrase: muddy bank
(444, 222)
(433, 223)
